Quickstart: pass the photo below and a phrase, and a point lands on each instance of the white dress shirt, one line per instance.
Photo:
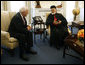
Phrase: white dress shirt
(22, 18)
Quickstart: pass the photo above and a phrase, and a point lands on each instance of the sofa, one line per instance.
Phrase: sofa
(7, 41)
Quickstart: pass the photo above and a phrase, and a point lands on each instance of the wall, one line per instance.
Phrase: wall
(45, 8)
(2, 6)
(81, 7)
(45, 5)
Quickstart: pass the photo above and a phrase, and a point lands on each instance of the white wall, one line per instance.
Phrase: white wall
(70, 5)
(81, 6)
(45, 8)
(46, 4)
(1, 5)
(81, 14)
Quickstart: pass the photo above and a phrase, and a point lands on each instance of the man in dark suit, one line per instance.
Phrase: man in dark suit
(19, 29)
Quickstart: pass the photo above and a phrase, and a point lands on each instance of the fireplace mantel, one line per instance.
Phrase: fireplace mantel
(43, 11)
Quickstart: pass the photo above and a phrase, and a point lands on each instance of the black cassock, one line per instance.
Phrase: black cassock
(59, 32)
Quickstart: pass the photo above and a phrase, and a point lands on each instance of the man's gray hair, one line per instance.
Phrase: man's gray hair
(23, 9)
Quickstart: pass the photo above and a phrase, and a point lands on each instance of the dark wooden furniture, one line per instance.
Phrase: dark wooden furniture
(40, 29)
(73, 43)
(79, 25)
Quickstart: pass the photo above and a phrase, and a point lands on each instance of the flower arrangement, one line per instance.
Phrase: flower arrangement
(80, 35)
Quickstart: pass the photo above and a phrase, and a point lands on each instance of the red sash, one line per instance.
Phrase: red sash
(56, 20)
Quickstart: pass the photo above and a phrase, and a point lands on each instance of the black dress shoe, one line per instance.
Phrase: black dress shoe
(57, 47)
(50, 45)
(24, 57)
(32, 52)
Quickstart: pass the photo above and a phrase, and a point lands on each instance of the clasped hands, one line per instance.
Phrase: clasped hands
(29, 27)
(59, 22)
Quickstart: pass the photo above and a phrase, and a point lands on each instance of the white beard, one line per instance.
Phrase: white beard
(53, 13)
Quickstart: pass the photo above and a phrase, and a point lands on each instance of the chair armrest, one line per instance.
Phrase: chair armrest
(48, 29)
(70, 32)
(5, 35)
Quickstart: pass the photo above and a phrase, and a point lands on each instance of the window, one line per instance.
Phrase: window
(81, 14)
(81, 6)
(16, 5)
(70, 5)
(1, 5)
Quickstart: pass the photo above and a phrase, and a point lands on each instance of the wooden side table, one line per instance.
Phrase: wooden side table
(74, 44)
(38, 21)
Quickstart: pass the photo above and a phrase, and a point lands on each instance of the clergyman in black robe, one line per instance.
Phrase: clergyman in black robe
(58, 27)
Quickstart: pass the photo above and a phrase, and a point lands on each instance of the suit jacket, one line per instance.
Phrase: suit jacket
(17, 25)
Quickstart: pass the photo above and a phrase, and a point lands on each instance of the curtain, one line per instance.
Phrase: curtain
(28, 4)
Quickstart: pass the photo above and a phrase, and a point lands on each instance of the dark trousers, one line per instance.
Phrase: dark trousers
(25, 41)
(57, 37)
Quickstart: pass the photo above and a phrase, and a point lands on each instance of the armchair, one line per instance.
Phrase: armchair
(6, 41)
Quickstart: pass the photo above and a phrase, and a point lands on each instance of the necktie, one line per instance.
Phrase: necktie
(24, 20)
